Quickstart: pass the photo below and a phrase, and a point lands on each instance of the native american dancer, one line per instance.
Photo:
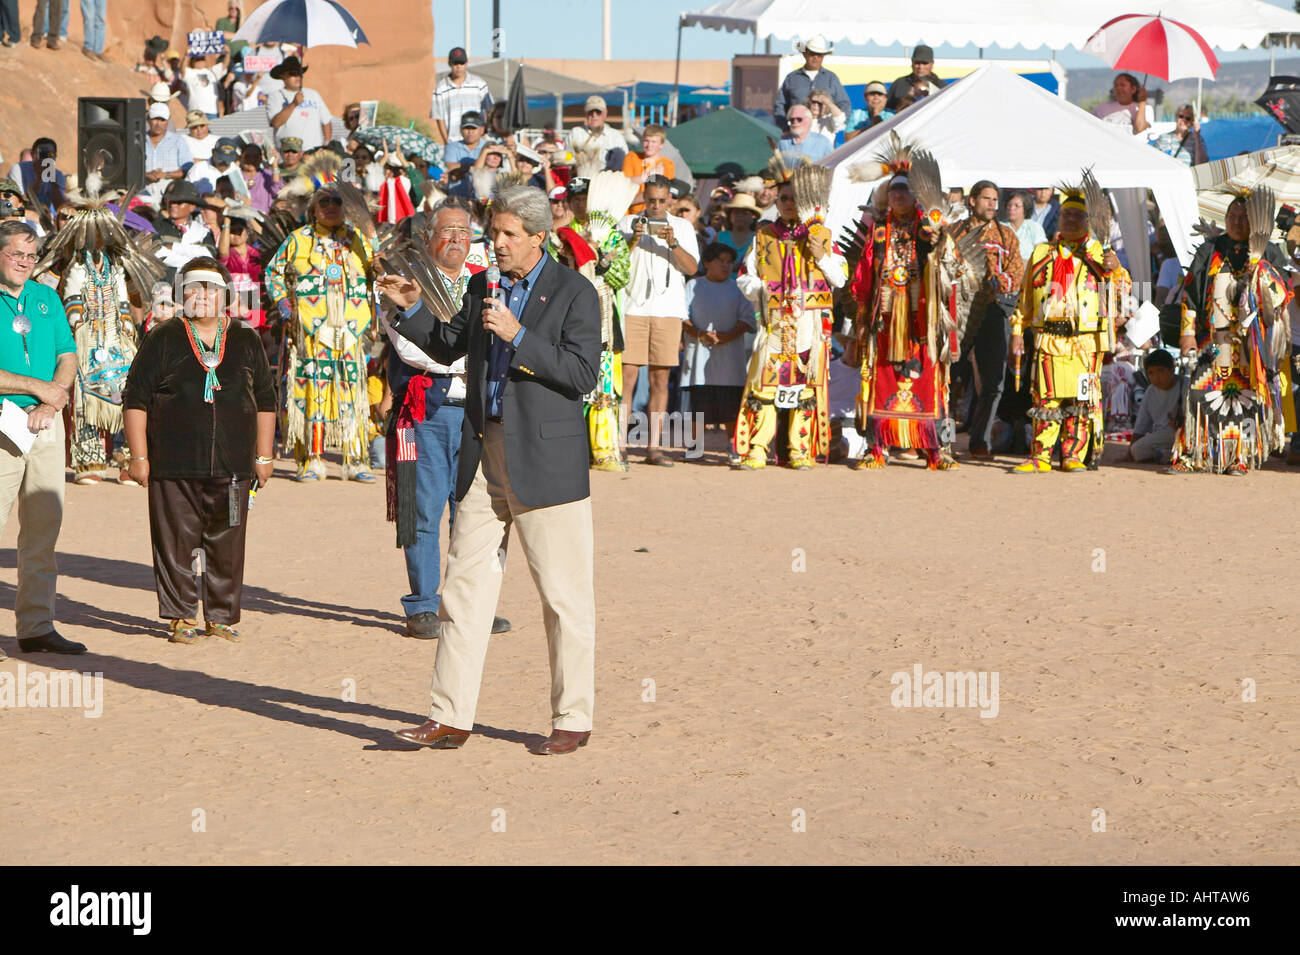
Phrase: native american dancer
(320, 280)
(97, 256)
(791, 272)
(606, 202)
(1072, 292)
(1234, 316)
(913, 286)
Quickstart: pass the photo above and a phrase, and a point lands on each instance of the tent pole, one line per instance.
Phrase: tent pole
(467, 53)
(1272, 58)
(1199, 81)
(559, 114)
(677, 70)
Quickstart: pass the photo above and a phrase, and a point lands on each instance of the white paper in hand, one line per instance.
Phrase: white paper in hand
(13, 424)
(1143, 325)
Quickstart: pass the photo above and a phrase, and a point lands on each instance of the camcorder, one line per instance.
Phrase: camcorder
(1286, 218)
(651, 225)
(7, 209)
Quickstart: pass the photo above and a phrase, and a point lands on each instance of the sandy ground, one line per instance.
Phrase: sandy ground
(1119, 689)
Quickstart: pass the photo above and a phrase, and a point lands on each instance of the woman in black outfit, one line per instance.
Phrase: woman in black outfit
(201, 399)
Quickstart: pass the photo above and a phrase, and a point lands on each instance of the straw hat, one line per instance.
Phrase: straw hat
(743, 200)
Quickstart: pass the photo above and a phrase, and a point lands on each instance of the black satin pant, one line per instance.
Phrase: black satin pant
(190, 514)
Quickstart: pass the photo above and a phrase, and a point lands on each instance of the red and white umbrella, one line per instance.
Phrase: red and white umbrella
(1157, 45)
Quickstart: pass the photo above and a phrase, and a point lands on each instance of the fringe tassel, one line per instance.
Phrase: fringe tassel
(898, 331)
(903, 433)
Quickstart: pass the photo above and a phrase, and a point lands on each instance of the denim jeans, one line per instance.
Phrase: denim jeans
(437, 444)
(10, 26)
(92, 14)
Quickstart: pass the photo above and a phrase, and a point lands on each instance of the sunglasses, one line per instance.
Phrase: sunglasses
(1186, 116)
(329, 201)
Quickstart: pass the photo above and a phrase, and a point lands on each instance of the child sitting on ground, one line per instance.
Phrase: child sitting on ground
(1157, 420)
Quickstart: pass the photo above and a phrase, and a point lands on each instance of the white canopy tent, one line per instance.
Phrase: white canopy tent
(996, 125)
(1226, 24)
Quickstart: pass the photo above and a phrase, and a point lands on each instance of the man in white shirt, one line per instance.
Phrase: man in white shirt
(664, 254)
(604, 143)
(202, 82)
(457, 93)
(418, 385)
(296, 111)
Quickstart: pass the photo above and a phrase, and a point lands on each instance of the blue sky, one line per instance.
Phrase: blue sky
(647, 29)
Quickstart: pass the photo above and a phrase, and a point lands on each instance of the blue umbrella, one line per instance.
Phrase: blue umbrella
(307, 23)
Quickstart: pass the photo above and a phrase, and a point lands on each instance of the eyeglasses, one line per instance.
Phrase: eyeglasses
(30, 257)
(798, 119)
(453, 231)
(329, 201)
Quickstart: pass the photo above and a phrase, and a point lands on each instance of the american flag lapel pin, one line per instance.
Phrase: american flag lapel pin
(543, 298)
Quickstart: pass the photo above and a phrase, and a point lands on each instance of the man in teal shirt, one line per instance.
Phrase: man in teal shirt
(38, 363)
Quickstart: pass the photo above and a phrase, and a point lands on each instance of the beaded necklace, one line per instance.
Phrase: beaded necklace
(209, 358)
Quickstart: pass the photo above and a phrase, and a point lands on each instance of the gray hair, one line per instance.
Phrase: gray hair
(528, 203)
(453, 203)
(15, 227)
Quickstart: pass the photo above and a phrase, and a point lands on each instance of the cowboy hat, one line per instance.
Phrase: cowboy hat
(815, 44)
(291, 64)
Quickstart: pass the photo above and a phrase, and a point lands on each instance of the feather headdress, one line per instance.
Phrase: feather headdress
(94, 226)
(894, 158)
(608, 197)
(779, 168)
(324, 169)
(812, 188)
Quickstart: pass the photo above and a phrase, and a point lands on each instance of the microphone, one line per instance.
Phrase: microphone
(493, 281)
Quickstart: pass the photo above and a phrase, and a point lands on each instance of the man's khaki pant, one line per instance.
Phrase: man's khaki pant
(35, 480)
(557, 543)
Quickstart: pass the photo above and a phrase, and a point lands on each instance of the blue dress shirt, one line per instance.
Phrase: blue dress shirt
(516, 296)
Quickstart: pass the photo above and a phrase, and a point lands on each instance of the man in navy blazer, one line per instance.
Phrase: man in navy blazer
(533, 352)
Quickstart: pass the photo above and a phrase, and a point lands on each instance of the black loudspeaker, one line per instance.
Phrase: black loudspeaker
(115, 127)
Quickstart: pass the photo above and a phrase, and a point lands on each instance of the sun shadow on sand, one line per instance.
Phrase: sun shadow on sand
(272, 702)
(125, 573)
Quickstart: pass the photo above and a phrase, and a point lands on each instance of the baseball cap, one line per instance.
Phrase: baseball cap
(457, 55)
(291, 143)
(923, 54)
(578, 187)
(9, 187)
(159, 111)
(195, 117)
(596, 102)
(559, 192)
(876, 87)
(225, 153)
(529, 154)
(471, 120)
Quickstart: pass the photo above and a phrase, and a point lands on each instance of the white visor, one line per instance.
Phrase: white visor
(206, 277)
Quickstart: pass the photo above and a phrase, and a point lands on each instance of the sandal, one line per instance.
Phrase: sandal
(184, 631)
(88, 479)
(224, 632)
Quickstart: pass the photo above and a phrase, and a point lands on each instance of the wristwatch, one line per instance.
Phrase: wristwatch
(261, 460)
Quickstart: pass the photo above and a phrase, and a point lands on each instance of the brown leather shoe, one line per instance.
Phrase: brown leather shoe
(435, 735)
(563, 741)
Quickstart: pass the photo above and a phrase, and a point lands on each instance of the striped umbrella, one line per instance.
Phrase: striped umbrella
(306, 23)
(1154, 44)
(1277, 168)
